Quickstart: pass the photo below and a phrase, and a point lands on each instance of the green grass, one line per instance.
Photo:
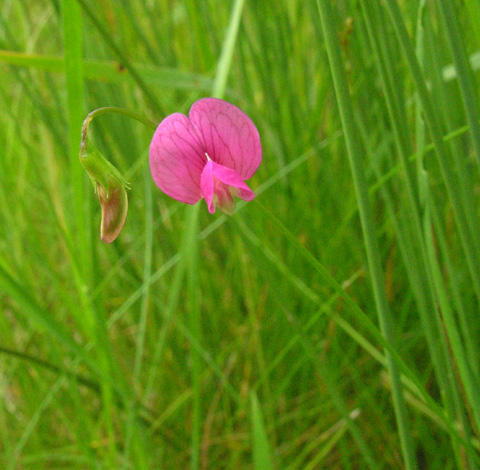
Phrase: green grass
(331, 323)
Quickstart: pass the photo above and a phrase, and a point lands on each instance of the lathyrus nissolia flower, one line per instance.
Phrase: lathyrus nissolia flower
(208, 155)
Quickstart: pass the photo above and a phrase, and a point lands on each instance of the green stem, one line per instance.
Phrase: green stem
(190, 256)
(190, 252)
(371, 245)
(98, 112)
(72, 38)
(114, 110)
(105, 164)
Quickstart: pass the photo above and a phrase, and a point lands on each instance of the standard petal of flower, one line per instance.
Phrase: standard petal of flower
(229, 135)
(177, 159)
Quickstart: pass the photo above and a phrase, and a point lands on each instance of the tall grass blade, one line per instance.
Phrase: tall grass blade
(464, 220)
(371, 244)
(262, 457)
(72, 28)
(465, 76)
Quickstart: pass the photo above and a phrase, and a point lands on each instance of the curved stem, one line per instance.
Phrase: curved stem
(108, 182)
(114, 110)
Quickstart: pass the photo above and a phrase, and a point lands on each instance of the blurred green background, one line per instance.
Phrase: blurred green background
(249, 341)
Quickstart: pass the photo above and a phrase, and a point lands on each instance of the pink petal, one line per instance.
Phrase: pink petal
(232, 178)
(207, 186)
(217, 180)
(229, 136)
(177, 159)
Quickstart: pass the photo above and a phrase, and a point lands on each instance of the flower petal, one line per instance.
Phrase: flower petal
(207, 186)
(232, 178)
(228, 134)
(177, 159)
(216, 183)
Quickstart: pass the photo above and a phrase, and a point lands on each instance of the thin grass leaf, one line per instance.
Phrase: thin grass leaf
(464, 220)
(111, 72)
(262, 458)
(414, 252)
(72, 26)
(371, 244)
(465, 77)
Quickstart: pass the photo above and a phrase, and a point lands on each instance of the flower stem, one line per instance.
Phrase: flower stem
(114, 110)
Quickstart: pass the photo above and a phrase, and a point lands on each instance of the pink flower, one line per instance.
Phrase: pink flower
(209, 155)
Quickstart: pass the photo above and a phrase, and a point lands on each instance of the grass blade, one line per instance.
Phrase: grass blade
(371, 245)
(464, 73)
(262, 458)
(72, 30)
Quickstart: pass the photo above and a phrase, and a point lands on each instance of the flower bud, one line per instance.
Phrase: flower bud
(111, 188)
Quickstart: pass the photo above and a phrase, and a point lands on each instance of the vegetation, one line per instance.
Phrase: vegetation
(330, 323)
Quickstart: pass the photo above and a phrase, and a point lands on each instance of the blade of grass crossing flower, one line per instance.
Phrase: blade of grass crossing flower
(190, 248)
(262, 456)
(371, 245)
(189, 253)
